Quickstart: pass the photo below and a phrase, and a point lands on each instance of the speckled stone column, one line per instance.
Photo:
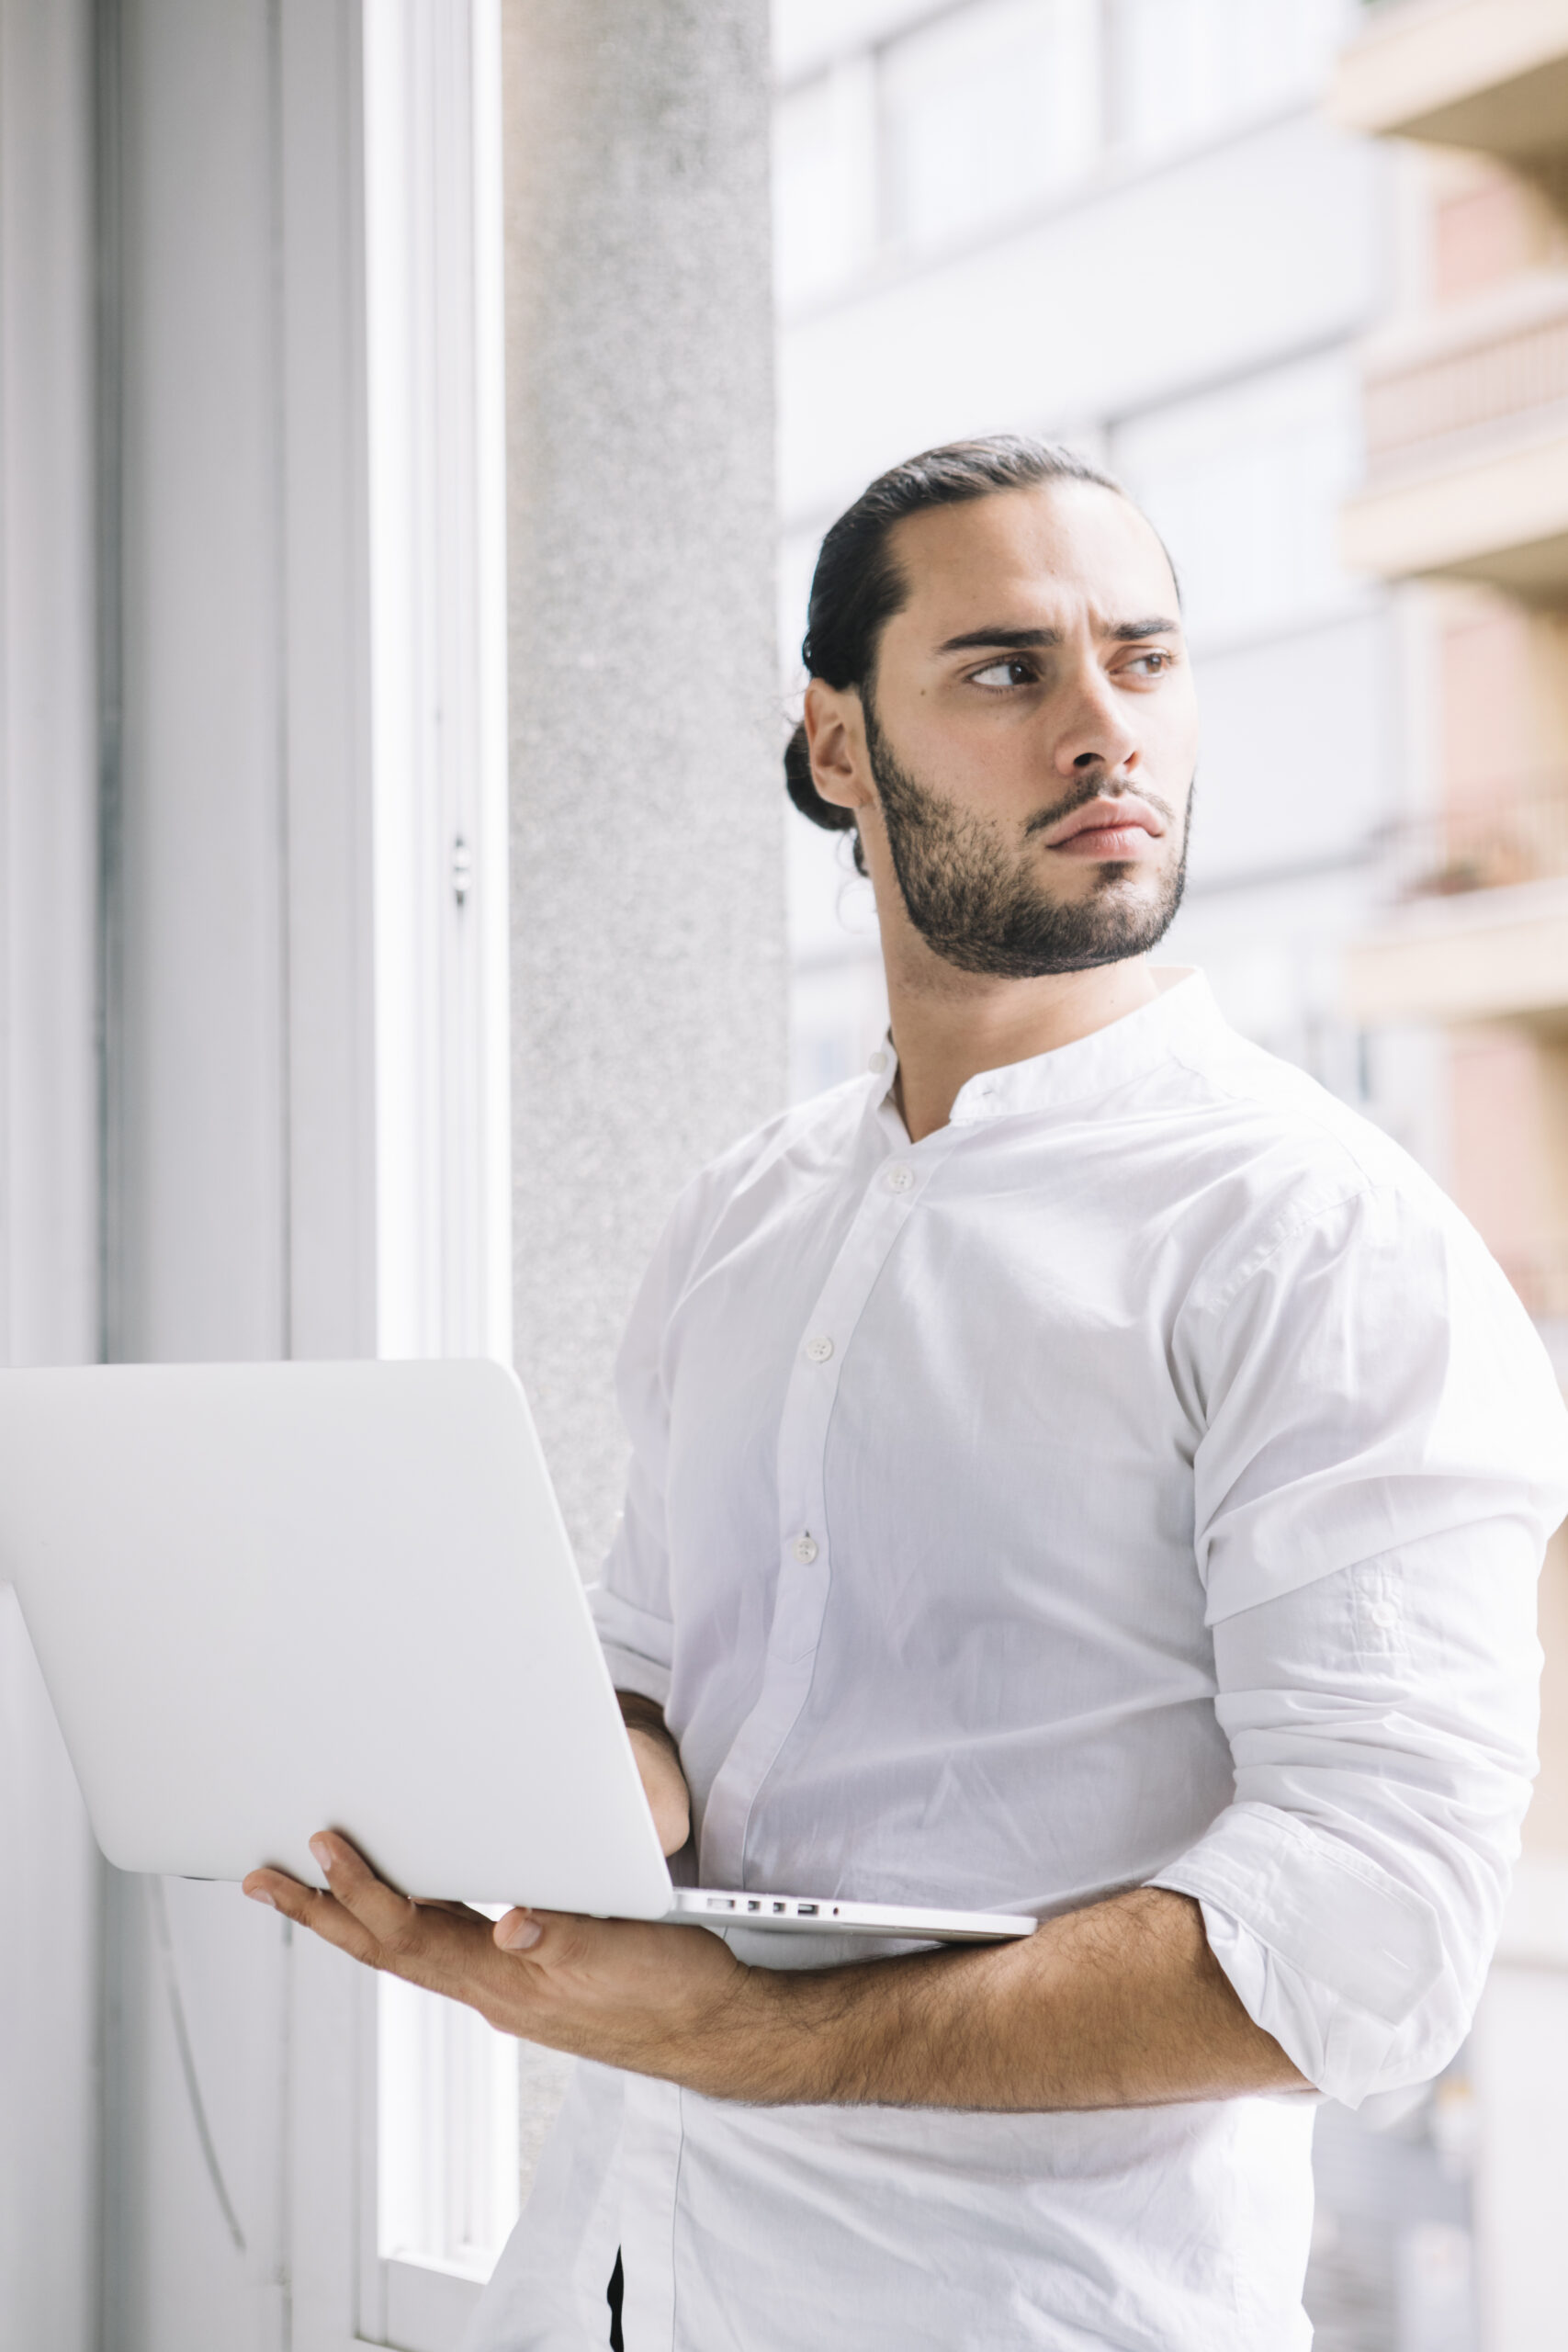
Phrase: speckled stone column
(647, 807)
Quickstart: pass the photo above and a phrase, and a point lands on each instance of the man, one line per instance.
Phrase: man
(1081, 1468)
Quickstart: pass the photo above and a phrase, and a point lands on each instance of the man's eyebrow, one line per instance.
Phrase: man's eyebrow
(1011, 640)
(1040, 641)
(1132, 632)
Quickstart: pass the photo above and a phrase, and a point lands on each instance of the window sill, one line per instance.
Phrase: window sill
(426, 2308)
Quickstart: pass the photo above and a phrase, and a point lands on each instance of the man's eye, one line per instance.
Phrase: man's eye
(1152, 663)
(1012, 673)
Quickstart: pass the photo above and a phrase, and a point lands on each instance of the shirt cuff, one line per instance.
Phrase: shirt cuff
(1326, 1952)
(638, 1646)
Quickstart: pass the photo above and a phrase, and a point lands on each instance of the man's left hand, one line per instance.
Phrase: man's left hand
(659, 2000)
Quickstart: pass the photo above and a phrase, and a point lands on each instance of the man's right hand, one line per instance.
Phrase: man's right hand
(659, 1761)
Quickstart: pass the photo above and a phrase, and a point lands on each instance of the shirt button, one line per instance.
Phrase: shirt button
(819, 1350)
(1384, 1615)
(901, 1178)
(878, 1063)
(805, 1550)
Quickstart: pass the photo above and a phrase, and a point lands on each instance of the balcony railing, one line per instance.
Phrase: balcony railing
(1467, 437)
(1516, 833)
(1513, 379)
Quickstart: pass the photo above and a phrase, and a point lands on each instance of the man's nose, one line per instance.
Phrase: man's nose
(1095, 731)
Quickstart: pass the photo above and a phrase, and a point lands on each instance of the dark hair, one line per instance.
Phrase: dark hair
(858, 586)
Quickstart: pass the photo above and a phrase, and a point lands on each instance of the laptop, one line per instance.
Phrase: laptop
(269, 1598)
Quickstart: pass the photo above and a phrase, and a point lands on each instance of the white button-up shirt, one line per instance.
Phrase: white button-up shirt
(1142, 1479)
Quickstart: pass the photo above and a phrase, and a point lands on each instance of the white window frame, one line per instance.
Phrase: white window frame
(434, 232)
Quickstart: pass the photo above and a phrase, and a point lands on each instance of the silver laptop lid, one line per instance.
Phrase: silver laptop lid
(269, 1598)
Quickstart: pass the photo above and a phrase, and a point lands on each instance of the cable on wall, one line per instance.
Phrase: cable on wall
(165, 1942)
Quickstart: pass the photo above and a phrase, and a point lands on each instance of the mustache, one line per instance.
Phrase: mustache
(1095, 785)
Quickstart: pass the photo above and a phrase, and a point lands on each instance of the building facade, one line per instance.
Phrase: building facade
(1463, 511)
(1159, 230)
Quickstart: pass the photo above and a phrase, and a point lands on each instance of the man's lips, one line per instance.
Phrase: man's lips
(1120, 828)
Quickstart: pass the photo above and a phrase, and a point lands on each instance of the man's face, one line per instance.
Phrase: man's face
(1025, 752)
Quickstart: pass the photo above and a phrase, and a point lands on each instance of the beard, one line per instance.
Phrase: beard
(980, 906)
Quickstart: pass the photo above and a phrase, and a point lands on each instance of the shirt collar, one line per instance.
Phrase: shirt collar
(1184, 1012)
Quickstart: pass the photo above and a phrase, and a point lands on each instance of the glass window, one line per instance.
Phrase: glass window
(1182, 68)
(825, 222)
(449, 2132)
(807, 33)
(986, 111)
(1245, 488)
(463, 2112)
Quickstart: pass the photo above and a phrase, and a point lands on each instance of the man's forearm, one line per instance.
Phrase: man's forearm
(1122, 2005)
(1118, 2005)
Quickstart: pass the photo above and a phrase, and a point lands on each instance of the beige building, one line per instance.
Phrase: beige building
(1464, 509)
(1466, 394)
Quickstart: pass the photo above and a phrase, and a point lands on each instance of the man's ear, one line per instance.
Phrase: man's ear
(835, 735)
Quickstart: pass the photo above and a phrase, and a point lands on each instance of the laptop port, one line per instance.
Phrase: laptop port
(806, 1910)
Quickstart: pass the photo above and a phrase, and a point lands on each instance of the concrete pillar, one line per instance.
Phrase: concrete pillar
(646, 809)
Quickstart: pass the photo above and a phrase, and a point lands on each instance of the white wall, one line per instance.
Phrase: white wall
(1520, 2066)
(244, 1106)
(240, 1204)
(49, 1237)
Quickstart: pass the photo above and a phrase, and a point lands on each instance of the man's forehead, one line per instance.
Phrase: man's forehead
(1029, 557)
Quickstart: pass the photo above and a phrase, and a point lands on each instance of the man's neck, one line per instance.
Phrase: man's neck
(949, 1026)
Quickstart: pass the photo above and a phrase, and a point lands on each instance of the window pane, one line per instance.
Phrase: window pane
(985, 112)
(1181, 68)
(1245, 488)
(448, 2169)
(809, 32)
(824, 181)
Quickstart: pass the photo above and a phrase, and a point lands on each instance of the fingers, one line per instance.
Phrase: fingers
(519, 1931)
(556, 1938)
(430, 1944)
(571, 1941)
(391, 1919)
(322, 1914)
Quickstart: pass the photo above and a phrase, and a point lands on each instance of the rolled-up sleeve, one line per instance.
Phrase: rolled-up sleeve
(630, 1601)
(1385, 1453)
